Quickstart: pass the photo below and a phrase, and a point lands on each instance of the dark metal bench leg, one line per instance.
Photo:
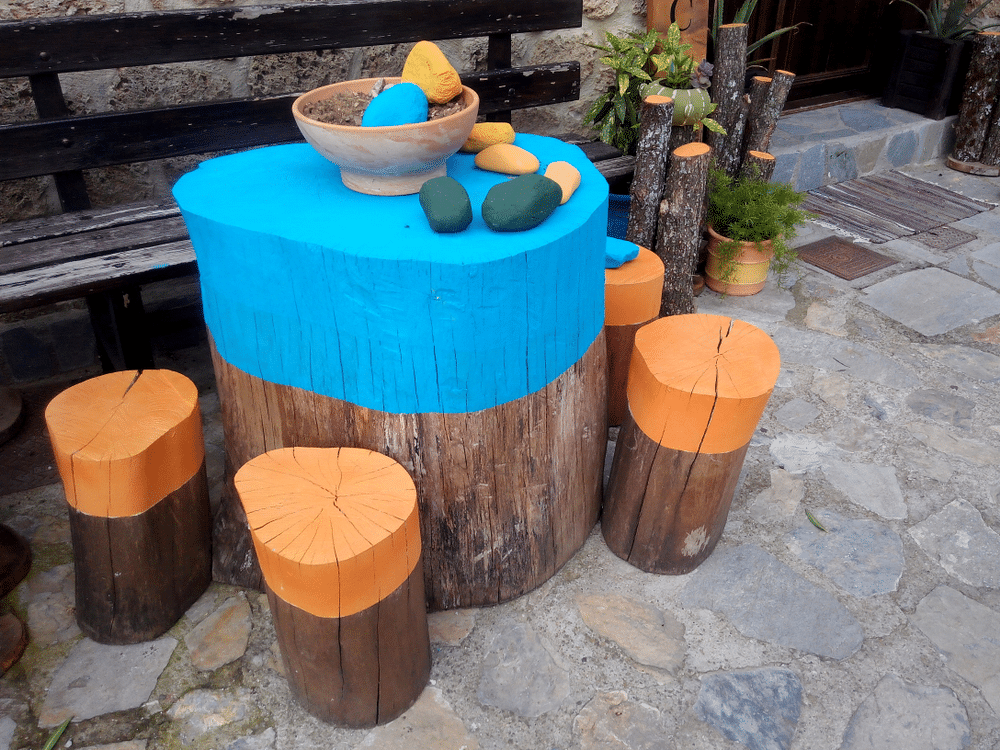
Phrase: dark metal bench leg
(119, 322)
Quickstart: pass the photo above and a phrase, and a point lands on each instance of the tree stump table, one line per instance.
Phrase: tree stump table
(131, 455)
(632, 295)
(474, 359)
(337, 534)
(697, 387)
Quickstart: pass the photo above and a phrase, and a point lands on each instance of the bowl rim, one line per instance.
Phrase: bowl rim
(468, 94)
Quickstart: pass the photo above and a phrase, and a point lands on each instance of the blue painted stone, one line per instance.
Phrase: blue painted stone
(749, 585)
(446, 205)
(758, 708)
(862, 557)
(618, 252)
(521, 204)
(402, 104)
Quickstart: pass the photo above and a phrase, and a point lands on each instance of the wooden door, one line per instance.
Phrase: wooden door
(840, 48)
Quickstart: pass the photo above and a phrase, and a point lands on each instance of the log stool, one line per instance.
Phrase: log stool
(631, 299)
(697, 387)
(337, 534)
(131, 455)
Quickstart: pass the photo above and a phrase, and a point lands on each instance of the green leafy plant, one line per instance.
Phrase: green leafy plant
(747, 209)
(948, 19)
(743, 15)
(632, 56)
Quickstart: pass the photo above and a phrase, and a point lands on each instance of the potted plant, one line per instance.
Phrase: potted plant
(930, 66)
(743, 15)
(749, 224)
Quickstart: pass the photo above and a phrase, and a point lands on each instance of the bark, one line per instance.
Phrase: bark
(650, 168)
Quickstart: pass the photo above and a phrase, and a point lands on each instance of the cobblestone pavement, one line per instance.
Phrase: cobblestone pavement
(879, 632)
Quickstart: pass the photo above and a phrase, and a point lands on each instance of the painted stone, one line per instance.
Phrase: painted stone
(618, 252)
(506, 158)
(485, 134)
(428, 68)
(402, 104)
(566, 176)
(446, 205)
(520, 204)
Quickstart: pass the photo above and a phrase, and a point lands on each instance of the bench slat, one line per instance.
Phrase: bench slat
(77, 278)
(45, 146)
(88, 244)
(121, 40)
(75, 222)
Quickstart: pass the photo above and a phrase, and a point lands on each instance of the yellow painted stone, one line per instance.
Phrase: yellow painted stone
(566, 176)
(506, 158)
(488, 134)
(427, 67)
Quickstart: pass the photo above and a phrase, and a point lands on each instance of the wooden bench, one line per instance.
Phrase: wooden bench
(107, 254)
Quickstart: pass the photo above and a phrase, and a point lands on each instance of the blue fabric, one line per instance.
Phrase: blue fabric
(618, 208)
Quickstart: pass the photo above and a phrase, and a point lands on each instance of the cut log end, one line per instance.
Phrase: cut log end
(691, 150)
(335, 529)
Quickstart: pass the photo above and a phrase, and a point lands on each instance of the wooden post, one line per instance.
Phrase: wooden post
(978, 105)
(337, 534)
(728, 83)
(680, 225)
(758, 165)
(651, 158)
(631, 299)
(131, 455)
(990, 157)
(697, 388)
(765, 110)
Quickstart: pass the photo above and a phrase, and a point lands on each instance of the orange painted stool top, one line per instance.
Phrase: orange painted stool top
(632, 291)
(700, 383)
(336, 530)
(125, 440)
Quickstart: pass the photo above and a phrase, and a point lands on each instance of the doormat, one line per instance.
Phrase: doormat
(890, 205)
(843, 258)
(943, 238)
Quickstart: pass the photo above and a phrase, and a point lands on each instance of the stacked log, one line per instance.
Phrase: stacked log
(337, 534)
(977, 132)
(697, 388)
(651, 158)
(631, 299)
(681, 216)
(728, 94)
(131, 455)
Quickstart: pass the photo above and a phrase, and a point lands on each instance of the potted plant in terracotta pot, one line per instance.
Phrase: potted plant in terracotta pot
(749, 225)
(930, 65)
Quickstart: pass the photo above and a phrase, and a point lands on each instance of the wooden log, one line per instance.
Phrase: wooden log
(681, 135)
(728, 84)
(488, 535)
(131, 455)
(729, 159)
(380, 345)
(758, 165)
(679, 234)
(656, 117)
(978, 97)
(697, 388)
(990, 158)
(631, 299)
(764, 112)
(337, 534)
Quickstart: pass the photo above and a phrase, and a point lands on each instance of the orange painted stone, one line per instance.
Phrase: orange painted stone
(485, 134)
(507, 158)
(566, 176)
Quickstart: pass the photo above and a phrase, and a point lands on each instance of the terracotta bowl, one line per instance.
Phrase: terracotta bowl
(389, 160)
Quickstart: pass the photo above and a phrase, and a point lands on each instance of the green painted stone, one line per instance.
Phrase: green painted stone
(446, 205)
(521, 204)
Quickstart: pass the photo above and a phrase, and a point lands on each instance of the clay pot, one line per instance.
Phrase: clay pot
(745, 275)
(388, 160)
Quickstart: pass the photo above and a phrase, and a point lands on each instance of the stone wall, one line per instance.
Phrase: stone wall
(170, 84)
